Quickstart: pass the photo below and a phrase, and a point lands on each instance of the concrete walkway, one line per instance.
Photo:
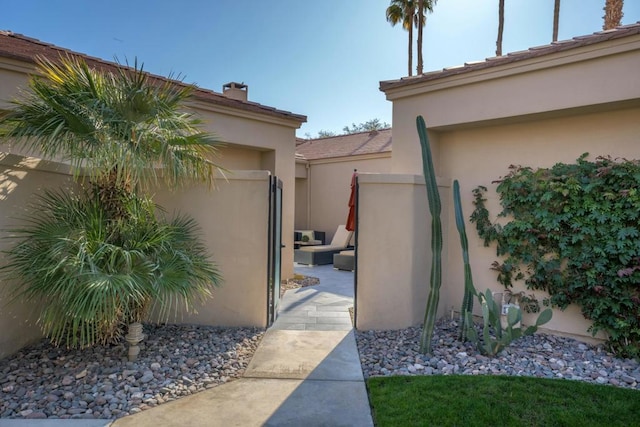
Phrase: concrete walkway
(305, 372)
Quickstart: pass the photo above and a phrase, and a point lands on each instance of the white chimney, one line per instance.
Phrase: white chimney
(233, 90)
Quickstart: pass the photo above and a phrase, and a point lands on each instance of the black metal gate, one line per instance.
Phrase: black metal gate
(275, 249)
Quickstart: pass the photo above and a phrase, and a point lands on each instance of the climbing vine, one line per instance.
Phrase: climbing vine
(573, 231)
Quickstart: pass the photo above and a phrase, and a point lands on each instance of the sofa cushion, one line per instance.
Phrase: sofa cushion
(309, 235)
(342, 237)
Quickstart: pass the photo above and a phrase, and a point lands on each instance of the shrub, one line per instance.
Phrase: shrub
(98, 260)
(97, 275)
(573, 232)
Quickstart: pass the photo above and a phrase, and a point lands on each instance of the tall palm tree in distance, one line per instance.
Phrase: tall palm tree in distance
(500, 27)
(556, 19)
(424, 6)
(612, 14)
(403, 11)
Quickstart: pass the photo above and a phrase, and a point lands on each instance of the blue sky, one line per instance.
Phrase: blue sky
(323, 59)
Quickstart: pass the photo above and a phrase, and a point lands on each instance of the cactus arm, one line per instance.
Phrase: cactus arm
(544, 317)
(435, 209)
(472, 334)
(469, 290)
(514, 315)
(491, 319)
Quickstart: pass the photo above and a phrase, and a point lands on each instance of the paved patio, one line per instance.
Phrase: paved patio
(323, 307)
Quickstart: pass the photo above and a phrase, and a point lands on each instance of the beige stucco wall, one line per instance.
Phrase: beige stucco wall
(14, 75)
(240, 158)
(19, 182)
(329, 187)
(233, 220)
(301, 216)
(593, 78)
(302, 208)
(393, 252)
(535, 113)
(275, 140)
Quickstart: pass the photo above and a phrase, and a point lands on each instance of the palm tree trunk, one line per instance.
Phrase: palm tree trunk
(410, 50)
(612, 14)
(113, 194)
(500, 27)
(420, 25)
(556, 19)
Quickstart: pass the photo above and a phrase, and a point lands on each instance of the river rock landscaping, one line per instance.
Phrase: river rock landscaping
(385, 353)
(42, 381)
(298, 281)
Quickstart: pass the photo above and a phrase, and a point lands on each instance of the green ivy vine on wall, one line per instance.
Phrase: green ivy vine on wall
(573, 231)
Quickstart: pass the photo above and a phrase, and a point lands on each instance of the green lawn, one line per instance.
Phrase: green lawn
(499, 401)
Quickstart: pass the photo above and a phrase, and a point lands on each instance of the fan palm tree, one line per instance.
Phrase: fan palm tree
(612, 14)
(500, 27)
(98, 259)
(556, 20)
(122, 128)
(403, 11)
(424, 6)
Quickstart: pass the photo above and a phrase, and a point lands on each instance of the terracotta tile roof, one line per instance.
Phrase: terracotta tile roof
(26, 49)
(346, 145)
(534, 52)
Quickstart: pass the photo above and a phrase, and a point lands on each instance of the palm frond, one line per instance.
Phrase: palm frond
(103, 122)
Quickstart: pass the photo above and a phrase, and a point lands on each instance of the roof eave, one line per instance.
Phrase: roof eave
(200, 94)
(514, 57)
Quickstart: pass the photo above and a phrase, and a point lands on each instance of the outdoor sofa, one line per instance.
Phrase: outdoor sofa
(323, 254)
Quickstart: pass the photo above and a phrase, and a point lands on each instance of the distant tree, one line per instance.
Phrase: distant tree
(403, 11)
(325, 134)
(368, 126)
(612, 14)
(424, 6)
(500, 27)
(556, 19)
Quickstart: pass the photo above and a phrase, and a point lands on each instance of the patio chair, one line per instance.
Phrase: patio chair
(345, 260)
(323, 254)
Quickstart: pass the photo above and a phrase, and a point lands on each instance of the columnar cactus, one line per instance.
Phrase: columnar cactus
(469, 290)
(436, 238)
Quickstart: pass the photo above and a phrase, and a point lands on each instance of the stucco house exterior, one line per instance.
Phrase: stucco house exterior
(323, 175)
(537, 107)
(259, 143)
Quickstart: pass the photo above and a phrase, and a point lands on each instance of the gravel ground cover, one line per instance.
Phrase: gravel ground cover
(298, 281)
(42, 381)
(385, 353)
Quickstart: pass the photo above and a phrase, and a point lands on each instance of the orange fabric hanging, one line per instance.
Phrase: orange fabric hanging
(351, 218)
